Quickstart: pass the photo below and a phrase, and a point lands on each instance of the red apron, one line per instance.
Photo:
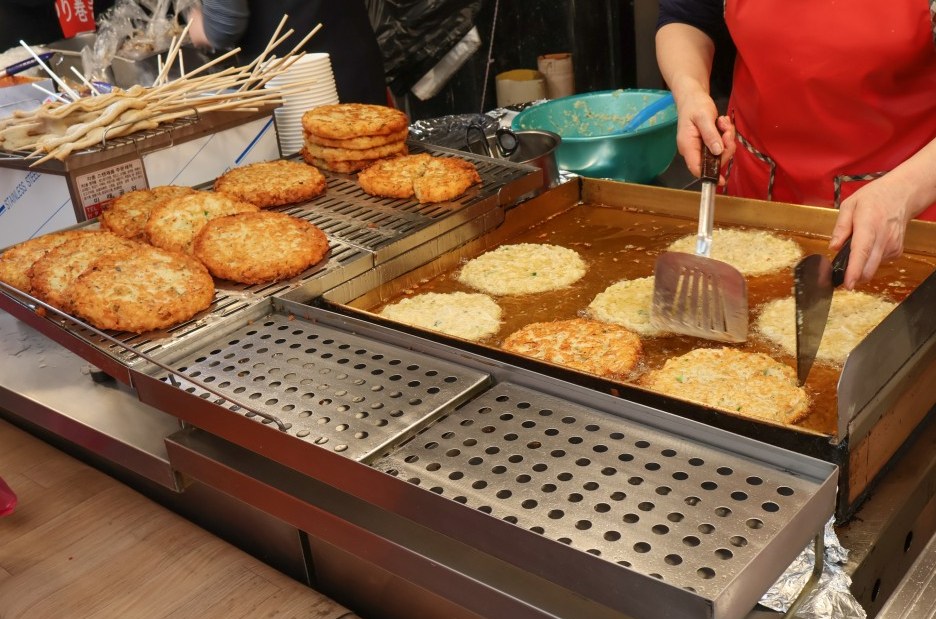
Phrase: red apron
(828, 95)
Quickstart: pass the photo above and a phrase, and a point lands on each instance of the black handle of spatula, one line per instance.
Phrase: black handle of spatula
(840, 263)
(710, 165)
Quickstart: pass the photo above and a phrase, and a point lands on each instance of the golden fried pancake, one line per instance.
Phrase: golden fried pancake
(343, 121)
(587, 345)
(348, 154)
(342, 167)
(142, 290)
(852, 315)
(467, 315)
(523, 268)
(173, 225)
(430, 179)
(272, 183)
(752, 252)
(252, 248)
(393, 178)
(16, 262)
(747, 383)
(126, 215)
(626, 303)
(58, 269)
(444, 179)
(360, 142)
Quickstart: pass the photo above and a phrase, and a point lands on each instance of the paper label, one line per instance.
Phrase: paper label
(98, 187)
(75, 16)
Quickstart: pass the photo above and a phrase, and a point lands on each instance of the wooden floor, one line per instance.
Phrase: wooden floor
(83, 545)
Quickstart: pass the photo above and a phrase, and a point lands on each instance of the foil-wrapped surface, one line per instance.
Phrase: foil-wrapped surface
(451, 131)
(832, 598)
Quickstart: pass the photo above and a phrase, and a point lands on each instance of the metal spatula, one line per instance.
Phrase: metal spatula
(814, 279)
(695, 294)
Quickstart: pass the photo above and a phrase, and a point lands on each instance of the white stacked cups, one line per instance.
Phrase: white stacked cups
(314, 70)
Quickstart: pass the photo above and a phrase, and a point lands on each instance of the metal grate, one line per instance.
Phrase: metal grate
(108, 143)
(231, 299)
(332, 388)
(670, 508)
(390, 226)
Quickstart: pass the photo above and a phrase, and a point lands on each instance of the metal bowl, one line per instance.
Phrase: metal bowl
(585, 123)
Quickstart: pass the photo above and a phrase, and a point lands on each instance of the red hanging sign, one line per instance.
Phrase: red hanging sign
(75, 16)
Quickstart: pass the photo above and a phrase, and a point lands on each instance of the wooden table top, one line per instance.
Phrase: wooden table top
(80, 544)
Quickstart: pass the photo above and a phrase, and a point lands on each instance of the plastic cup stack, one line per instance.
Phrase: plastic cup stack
(322, 91)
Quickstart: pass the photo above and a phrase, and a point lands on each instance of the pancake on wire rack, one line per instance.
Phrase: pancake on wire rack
(272, 183)
(423, 176)
(347, 137)
(52, 274)
(174, 224)
(253, 248)
(126, 215)
(143, 290)
(17, 261)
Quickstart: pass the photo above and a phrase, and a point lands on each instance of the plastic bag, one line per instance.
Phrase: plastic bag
(414, 35)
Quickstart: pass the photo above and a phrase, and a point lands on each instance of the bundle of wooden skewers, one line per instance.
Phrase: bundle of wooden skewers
(71, 123)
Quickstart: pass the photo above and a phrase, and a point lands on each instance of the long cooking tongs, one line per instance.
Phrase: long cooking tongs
(696, 294)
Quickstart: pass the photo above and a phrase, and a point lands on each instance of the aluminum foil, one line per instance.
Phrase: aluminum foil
(451, 131)
(832, 598)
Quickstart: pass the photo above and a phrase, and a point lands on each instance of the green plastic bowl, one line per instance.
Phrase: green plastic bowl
(585, 122)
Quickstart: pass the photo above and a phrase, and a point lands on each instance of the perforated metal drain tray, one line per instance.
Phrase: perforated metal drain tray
(667, 507)
(325, 386)
(640, 500)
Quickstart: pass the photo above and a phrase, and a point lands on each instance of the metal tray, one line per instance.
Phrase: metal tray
(849, 403)
(699, 519)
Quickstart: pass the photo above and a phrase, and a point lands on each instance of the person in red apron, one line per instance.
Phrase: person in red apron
(831, 105)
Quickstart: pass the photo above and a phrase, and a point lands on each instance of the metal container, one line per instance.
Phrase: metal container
(862, 415)
(533, 147)
(586, 123)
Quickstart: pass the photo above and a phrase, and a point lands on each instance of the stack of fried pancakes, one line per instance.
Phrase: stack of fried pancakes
(347, 137)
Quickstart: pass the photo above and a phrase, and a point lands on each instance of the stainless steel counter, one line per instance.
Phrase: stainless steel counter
(53, 388)
(388, 548)
(43, 385)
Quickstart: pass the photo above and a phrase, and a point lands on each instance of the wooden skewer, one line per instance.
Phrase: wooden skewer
(45, 67)
(49, 92)
(85, 81)
(73, 125)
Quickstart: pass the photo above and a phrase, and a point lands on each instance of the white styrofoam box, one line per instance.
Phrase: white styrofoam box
(32, 204)
(23, 97)
(35, 202)
(203, 159)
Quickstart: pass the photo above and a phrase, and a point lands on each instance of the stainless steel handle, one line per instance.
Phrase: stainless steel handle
(710, 166)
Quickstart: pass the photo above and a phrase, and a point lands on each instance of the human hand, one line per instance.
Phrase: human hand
(876, 218)
(698, 122)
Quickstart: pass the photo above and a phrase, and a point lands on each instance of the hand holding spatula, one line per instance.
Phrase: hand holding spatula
(695, 294)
